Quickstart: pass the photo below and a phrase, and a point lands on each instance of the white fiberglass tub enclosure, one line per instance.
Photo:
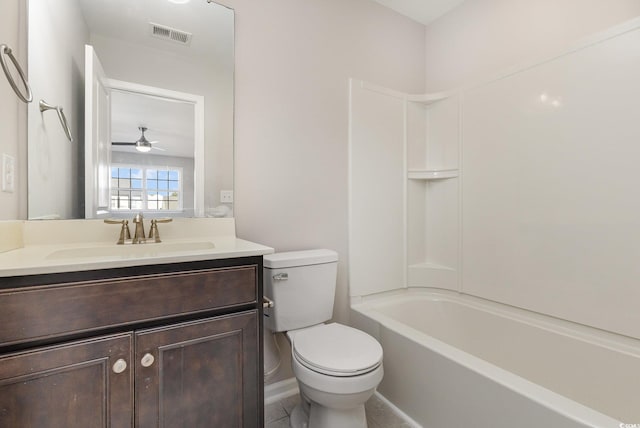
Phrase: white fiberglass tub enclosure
(453, 361)
(494, 241)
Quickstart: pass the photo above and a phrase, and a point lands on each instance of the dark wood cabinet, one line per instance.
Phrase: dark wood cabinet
(199, 374)
(66, 386)
(171, 346)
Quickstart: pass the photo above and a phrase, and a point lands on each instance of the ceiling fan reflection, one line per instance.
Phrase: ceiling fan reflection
(142, 144)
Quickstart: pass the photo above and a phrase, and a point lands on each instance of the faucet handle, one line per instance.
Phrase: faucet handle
(125, 233)
(153, 232)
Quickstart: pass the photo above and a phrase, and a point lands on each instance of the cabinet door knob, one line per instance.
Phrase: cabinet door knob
(119, 366)
(147, 360)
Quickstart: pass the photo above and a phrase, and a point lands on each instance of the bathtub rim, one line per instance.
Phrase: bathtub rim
(366, 306)
(606, 339)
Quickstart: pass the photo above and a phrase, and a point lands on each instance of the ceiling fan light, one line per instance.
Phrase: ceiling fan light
(142, 147)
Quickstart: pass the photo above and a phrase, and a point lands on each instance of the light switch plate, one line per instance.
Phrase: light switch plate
(226, 196)
(8, 173)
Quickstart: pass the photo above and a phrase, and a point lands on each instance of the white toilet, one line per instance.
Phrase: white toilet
(337, 367)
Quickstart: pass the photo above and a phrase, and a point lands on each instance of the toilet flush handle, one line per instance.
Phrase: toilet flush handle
(281, 276)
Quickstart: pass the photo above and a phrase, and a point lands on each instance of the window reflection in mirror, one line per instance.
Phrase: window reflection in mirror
(156, 189)
(153, 146)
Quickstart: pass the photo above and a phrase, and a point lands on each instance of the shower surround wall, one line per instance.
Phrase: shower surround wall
(598, 234)
(550, 219)
(518, 190)
(537, 210)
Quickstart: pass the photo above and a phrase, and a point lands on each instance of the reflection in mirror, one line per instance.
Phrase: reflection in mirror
(150, 63)
(153, 152)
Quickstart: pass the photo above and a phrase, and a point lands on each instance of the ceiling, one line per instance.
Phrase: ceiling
(169, 122)
(130, 20)
(423, 11)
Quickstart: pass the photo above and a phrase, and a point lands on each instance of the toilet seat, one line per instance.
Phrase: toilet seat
(337, 350)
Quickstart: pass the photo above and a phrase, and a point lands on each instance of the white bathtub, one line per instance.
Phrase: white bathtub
(455, 361)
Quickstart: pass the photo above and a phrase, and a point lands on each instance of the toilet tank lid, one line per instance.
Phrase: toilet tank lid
(299, 258)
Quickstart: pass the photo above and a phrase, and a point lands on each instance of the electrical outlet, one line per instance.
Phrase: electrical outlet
(226, 196)
(8, 173)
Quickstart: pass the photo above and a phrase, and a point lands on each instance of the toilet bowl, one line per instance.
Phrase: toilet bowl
(338, 368)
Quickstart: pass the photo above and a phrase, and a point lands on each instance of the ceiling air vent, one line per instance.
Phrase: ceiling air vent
(168, 33)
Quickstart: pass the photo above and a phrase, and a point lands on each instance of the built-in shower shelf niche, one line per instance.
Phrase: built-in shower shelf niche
(403, 150)
(433, 190)
(432, 174)
(433, 232)
(428, 99)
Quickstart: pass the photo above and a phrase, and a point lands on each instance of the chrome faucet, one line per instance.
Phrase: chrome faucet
(139, 236)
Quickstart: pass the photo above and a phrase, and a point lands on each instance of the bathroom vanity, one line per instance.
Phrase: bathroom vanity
(171, 340)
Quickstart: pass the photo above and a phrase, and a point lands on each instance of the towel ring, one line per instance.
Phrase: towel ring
(44, 106)
(6, 50)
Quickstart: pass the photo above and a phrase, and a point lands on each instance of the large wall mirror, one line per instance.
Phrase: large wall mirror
(146, 89)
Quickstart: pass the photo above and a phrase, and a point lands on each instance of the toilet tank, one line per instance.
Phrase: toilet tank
(302, 285)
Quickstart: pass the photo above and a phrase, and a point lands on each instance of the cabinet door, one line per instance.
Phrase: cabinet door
(69, 386)
(199, 374)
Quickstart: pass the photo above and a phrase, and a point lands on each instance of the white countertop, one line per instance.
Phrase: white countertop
(40, 247)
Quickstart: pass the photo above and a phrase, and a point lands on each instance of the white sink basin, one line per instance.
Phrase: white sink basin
(130, 250)
(45, 247)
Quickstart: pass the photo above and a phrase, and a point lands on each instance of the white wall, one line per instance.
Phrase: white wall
(293, 62)
(55, 177)
(13, 111)
(483, 37)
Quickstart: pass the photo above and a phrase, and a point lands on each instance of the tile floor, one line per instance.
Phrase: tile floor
(379, 415)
